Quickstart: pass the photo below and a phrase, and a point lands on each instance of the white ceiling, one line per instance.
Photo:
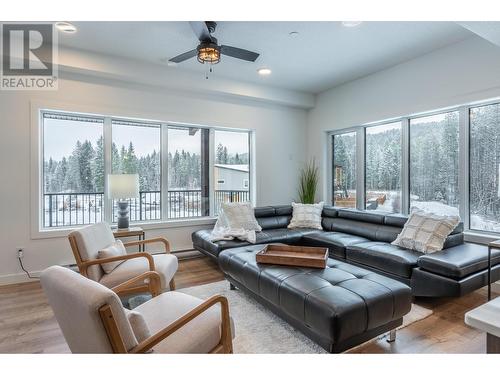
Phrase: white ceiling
(322, 55)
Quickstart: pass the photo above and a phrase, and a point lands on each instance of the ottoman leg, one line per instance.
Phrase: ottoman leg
(231, 287)
(392, 336)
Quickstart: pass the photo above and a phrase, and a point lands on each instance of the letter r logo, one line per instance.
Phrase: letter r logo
(27, 49)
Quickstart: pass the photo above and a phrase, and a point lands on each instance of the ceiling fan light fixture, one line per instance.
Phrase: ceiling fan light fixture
(209, 53)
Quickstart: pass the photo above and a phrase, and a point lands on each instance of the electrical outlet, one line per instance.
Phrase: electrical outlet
(20, 252)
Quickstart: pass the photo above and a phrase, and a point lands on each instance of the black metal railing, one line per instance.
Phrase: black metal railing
(70, 209)
(184, 204)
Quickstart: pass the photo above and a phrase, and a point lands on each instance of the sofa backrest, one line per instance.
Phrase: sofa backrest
(375, 226)
(273, 217)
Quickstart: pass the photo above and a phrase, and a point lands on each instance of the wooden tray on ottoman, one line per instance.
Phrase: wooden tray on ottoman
(286, 255)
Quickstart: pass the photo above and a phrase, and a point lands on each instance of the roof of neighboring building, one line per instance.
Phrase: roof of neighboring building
(234, 167)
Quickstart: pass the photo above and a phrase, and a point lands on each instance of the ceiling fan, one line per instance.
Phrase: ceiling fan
(209, 51)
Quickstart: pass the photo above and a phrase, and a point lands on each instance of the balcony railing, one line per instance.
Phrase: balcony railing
(70, 209)
(230, 196)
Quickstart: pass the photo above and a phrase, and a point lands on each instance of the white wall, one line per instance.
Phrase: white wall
(461, 73)
(279, 135)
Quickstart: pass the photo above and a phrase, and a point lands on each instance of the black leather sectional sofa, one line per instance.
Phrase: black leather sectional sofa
(364, 239)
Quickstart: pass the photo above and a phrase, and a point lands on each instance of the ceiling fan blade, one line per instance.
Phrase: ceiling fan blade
(239, 53)
(184, 56)
(201, 30)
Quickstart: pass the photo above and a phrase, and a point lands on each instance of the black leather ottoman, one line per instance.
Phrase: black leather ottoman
(339, 307)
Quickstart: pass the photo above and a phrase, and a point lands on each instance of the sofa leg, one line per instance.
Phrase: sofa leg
(232, 287)
(392, 336)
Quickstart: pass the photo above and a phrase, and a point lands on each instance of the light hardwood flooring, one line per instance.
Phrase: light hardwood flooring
(27, 324)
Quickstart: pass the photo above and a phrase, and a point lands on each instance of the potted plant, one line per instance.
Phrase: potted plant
(308, 182)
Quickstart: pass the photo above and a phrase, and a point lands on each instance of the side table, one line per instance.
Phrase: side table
(132, 232)
(487, 318)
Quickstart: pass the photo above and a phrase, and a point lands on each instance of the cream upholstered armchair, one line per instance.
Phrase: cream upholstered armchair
(86, 243)
(93, 320)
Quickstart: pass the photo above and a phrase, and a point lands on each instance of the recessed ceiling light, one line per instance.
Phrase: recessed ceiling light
(66, 27)
(351, 23)
(293, 33)
(264, 71)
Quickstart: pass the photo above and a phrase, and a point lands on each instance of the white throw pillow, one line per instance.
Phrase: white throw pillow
(113, 250)
(306, 215)
(426, 232)
(139, 325)
(240, 215)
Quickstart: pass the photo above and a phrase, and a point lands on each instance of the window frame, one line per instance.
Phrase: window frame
(38, 108)
(473, 235)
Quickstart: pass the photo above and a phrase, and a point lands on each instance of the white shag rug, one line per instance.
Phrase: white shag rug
(258, 330)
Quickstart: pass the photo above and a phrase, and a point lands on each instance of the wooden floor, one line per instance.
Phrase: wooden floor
(27, 324)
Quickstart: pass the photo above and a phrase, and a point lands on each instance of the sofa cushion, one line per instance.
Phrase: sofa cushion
(274, 222)
(399, 220)
(273, 217)
(384, 256)
(459, 261)
(335, 241)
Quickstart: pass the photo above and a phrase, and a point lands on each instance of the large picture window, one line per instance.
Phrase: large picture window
(187, 172)
(172, 161)
(485, 168)
(135, 149)
(344, 169)
(73, 170)
(231, 167)
(383, 168)
(434, 163)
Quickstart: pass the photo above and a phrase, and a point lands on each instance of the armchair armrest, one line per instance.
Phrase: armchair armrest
(165, 242)
(154, 283)
(226, 339)
(88, 263)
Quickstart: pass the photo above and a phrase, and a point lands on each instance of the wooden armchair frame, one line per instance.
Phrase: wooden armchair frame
(128, 287)
(225, 344)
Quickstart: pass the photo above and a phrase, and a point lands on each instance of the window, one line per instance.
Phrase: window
(73, 170)
(485, 168)
(172, 161)
(383, 167)
(232, 166)
(344, 169)
(187, 172)
(434, 163)
(135, 149)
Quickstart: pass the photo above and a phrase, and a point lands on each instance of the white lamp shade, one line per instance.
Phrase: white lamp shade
(123, 186)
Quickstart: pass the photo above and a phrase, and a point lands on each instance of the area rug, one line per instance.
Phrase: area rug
(258, 330)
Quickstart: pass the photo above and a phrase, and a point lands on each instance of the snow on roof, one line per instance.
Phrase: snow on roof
(235, 167)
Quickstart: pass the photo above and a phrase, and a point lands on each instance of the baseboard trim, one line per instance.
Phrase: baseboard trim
(18, 278)
(21, 277)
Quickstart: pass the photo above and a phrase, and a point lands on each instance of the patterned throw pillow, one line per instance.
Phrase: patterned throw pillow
(240, 215)
(426, 232)
(306, 215)
(113, 250)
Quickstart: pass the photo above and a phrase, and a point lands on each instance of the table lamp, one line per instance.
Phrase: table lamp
(123, 187)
